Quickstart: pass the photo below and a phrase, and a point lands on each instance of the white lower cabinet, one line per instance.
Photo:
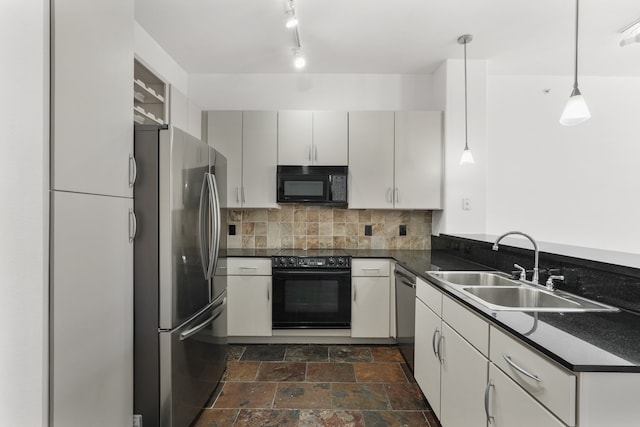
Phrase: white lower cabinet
(91, 336)
(249, 297)
(463, 381)
(370, 292)
(508, 405)
(427, 363)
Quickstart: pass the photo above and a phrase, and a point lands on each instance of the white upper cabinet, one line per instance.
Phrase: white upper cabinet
(92, 71)
(224, 133)
(249, 142)
(371, 136)
(312, 138)
(418, 160)
(395, 160)
(259, 158)
(178, 109)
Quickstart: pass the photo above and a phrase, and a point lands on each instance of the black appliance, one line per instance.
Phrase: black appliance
(311, 292)
(406, 313)
(320, 185)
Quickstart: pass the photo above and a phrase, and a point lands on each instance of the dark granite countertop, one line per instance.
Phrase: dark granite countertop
(582, 342)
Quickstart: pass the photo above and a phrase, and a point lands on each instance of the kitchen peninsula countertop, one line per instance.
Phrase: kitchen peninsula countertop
(581, 342)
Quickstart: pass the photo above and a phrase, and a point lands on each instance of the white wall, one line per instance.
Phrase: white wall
(462, 181)
(575, 185)
(24, 173)
(311, 91)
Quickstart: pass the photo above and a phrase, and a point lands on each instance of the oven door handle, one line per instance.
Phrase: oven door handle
(312, 271)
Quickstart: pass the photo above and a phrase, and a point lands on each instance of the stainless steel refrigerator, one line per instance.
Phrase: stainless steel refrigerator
(179, 294)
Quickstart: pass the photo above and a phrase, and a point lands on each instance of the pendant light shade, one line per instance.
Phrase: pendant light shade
(467, 157)
(576, 110)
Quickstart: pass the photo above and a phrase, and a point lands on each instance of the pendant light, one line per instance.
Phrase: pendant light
(576, 110)
(466, 154)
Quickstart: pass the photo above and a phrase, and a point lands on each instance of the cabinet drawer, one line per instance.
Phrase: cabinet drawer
(555, 387)
(473, 328)
(429, 295)
(249, 266)
(370, 267)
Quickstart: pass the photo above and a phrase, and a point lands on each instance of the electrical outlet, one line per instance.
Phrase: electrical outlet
(403, 230)
(232, 229)
(466, 204)
(368, 231)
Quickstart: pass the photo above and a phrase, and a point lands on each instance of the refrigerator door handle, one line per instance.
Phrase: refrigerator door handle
(192, 331)
(202, 213)
(214, 206)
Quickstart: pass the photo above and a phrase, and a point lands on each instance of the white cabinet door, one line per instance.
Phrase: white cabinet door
(92, 71)
(330, 138)
(370, 307)
(371, 159)
(249, 305)
(418, 159)
(91, 311)
(294, 138)
(428, 330)
(224, 133)
(259, 158)
(464, 378)
(510, 406)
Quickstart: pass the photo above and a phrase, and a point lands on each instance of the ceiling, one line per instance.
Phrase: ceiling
(393, 36)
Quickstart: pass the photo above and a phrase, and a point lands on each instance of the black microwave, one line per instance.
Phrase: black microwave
(319, 185)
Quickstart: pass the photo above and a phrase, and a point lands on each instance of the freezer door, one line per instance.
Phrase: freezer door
(192, 361)
(184, 283)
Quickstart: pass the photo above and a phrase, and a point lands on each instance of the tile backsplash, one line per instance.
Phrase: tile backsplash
(317, 227)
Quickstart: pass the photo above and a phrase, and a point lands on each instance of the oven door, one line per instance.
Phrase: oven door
(311, 299)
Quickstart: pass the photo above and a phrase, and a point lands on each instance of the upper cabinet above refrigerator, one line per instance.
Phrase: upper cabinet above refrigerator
(92, 74)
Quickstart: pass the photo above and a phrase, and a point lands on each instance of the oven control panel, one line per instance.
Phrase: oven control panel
(311, 262)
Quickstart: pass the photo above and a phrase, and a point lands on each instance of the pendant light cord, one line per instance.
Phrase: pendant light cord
(466, 139)
(575, 75)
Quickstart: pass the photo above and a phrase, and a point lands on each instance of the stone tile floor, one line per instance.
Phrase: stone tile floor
(317, 385)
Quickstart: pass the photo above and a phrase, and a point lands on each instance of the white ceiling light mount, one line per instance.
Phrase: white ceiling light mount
(576, 110)
(630, 33)
(290, 13)
(466, 153)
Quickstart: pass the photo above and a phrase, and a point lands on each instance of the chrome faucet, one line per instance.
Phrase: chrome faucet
(535, 279)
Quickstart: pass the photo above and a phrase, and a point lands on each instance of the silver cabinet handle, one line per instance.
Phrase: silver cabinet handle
(397, 195)
(133, 170)
(486, 401)
(268, 296)
(248, 268)
(440, 356)
(316, 154)
(309, 153)
(390, 195)
(238, 194)
(243, 200)
(133, 225)
(355, 293)
(370, 269)
(436, 333)
(520, 369)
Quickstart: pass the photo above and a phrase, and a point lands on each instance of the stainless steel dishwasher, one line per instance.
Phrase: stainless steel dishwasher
(405, 312)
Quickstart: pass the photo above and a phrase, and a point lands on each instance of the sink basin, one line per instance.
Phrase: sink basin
(528, 298)
(474, 278)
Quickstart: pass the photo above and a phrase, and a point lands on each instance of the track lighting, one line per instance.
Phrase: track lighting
(630, 33)
(467, 157)
(298, 59)
(576, 110)
(292, 20)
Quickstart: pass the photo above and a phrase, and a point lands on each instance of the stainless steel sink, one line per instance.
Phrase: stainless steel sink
(529, 298)
(474, 278)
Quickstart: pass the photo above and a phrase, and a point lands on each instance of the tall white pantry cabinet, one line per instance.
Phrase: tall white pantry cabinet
(91, 266)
